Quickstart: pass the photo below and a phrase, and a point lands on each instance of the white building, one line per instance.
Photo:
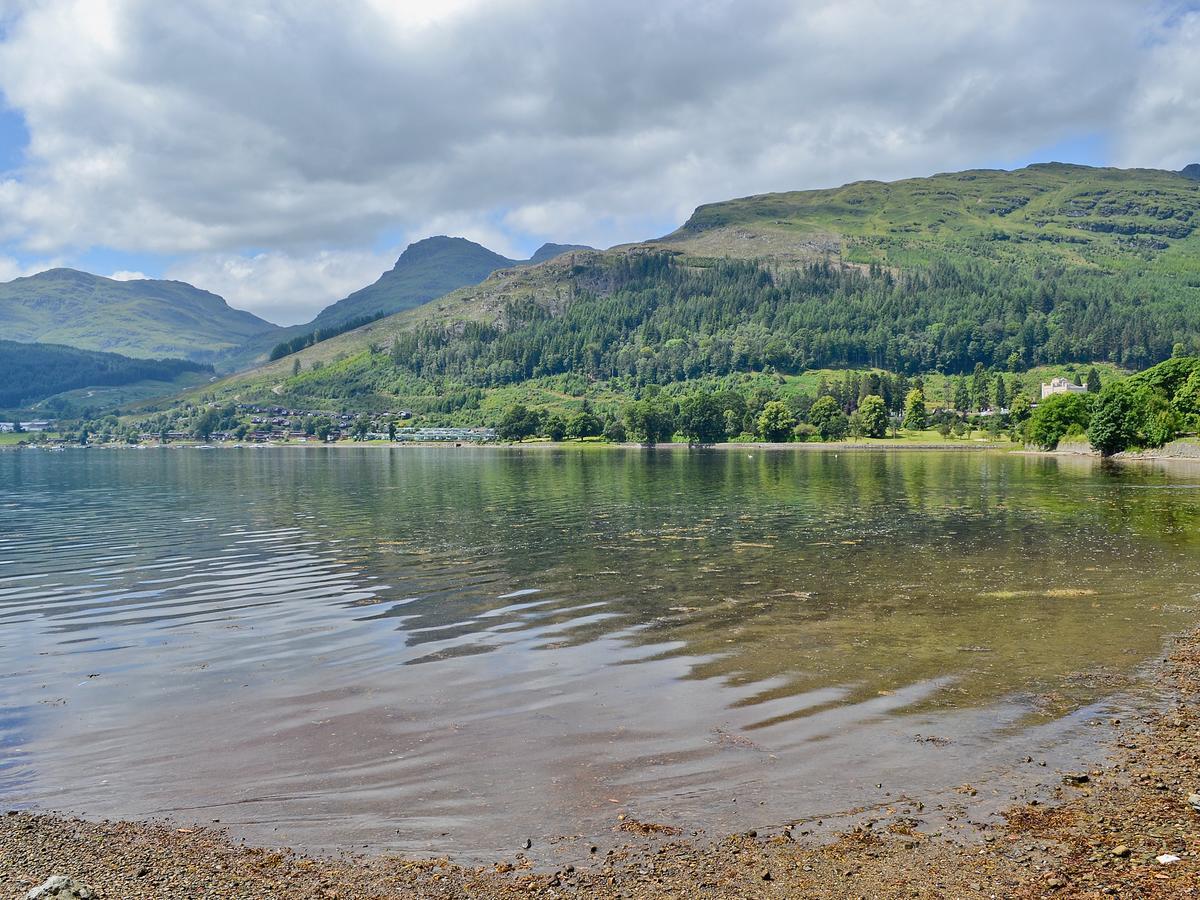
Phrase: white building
(1062, 386)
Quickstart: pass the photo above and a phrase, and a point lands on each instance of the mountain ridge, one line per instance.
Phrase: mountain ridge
(143, 318)
(1047, 264)
(172, 318)
(427, 269)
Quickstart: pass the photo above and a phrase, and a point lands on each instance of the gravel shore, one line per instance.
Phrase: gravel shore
(1104, 836)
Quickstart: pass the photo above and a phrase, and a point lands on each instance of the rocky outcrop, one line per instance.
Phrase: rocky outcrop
(61, 887)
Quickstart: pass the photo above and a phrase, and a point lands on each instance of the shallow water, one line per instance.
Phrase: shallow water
(450, 650)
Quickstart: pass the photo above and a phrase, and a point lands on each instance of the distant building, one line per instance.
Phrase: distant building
(1062, 386)
(446, 434)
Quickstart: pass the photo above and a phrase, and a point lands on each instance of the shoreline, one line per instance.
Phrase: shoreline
(1101, 836)
(1188, 452)
(724, 446)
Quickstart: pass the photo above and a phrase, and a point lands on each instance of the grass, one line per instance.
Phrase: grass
(12, 439)
(1112, 219)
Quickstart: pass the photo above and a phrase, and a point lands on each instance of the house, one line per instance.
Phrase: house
(1062, 385)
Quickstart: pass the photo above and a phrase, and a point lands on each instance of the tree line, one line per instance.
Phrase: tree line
(32, 372)
(298, 343)
(706, 416)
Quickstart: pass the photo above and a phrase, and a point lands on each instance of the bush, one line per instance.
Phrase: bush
(805, 432)
(650, 421)
(615, 432)
(556, 427)
(829, 420)
(1056, 415)
(775, 422)
(1131, 414)
(916, 418)
(874, 416)
(518, 423)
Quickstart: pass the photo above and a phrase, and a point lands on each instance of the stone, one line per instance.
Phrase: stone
(61, 887)
(1194, 801)
(1121, 852)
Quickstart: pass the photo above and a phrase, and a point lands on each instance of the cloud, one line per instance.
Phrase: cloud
(258, 135)
(124, 275)
(11, 267)
(282, 287)
(1162, 124)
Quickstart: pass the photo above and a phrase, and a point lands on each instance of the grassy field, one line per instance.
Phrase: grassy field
(11, 439)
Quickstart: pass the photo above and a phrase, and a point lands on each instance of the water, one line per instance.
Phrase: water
(450, 650)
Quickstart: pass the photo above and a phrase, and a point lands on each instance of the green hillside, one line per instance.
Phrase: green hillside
(1052, 213)
(144, 318)
(1046, 266)
(30, 373)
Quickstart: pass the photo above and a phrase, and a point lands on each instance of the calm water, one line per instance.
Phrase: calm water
(452, 650)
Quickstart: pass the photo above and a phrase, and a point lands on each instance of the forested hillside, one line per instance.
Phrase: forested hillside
(1048, 265)
(32, 372)
(666, 320)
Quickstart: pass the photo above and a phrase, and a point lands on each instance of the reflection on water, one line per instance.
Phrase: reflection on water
(454, 649)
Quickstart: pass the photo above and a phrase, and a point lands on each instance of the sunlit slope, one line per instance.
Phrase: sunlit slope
(1107, 218)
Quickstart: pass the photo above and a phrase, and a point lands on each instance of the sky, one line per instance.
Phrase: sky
(282, 153)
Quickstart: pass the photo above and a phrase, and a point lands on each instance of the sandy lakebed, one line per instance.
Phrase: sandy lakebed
(1123, 819)
(1129, 828)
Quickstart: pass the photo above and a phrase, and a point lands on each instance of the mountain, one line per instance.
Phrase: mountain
(426, 270)
(550, 251)
(1048, 265)
(1051, 212)
(143, 318)
(29, 373)
(1191, 170)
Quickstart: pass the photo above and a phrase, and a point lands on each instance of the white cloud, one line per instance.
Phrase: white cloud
(11, 267)
(281, 287)
(1162, 124)
(206, 128)
(125, 275)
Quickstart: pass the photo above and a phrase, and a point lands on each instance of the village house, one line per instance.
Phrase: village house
(1062, 385)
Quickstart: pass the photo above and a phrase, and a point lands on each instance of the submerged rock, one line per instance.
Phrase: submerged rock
(61, 887)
